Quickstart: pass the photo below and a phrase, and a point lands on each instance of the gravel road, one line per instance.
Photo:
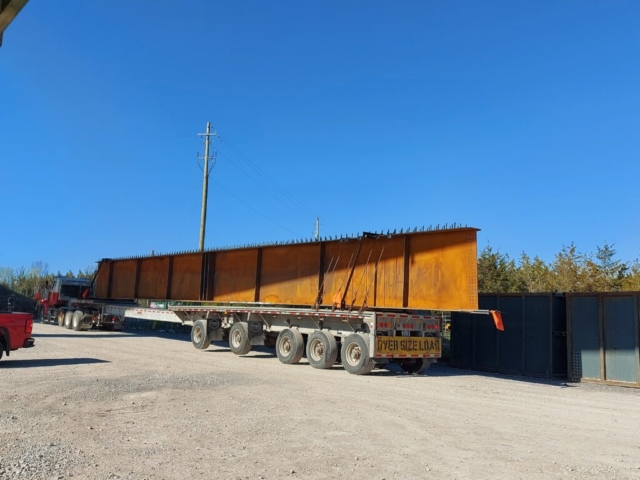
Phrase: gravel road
(122, 405)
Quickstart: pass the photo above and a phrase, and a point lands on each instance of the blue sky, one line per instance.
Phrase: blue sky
(519, 118)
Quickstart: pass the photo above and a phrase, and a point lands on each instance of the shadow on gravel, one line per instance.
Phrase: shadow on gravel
(49, 362)
(441, 370)
(126, 333)
(266, 352)
(223, 348)
(79, 335)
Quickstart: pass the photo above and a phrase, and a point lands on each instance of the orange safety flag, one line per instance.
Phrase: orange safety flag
(497, 319)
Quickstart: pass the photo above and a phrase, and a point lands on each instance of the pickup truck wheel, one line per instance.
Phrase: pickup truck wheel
(61, 318)
(68, 319)
(416, 366)
(289, 346)
(199, 336)
(322, 350)
(355, 354)
(239, 338)
(76, 320)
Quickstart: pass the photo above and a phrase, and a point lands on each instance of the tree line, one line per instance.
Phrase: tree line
(569, 271)
(28, 281)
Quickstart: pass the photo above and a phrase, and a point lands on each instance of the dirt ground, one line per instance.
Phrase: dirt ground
(111, 405)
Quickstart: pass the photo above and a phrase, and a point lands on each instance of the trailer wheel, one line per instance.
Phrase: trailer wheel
(61, 318)
(199, 336)
(68, 319)
(76, 320)
(289, 346)
(322, 350)
(416, 366)
(355, 354)
(239, 338)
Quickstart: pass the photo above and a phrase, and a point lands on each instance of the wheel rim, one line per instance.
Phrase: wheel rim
(316, 350)
(197, 334)
(285, 346)
(354, 354)
(236, 338)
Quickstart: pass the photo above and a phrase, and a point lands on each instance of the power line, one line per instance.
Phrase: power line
(264, 187)
(251, 208)
(295, 204)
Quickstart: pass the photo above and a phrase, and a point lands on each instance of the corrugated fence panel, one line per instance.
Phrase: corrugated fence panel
(584, 328)
(559, 336)
(537, 330)
(620, 339)
(462, 340)
(532, 343)
(511, 345)
(603, 337)
(485, 346)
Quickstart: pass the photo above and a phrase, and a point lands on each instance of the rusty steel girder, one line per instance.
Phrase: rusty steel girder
(435, 270)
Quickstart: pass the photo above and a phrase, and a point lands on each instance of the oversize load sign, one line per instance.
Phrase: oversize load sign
(407, 346)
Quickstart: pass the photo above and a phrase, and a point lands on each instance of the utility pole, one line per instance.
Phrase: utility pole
(205, 182)
(316, 234)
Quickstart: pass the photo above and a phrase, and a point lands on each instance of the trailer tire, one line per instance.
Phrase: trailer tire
(199, 335)
(76, 320)
(68, 319)
(355, 354)
(239, 338)
(322, 350)
(416, 366)
(289, 346)
(61, 318)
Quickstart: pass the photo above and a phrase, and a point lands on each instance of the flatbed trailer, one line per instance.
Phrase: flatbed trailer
(362, 301)
(361, 340)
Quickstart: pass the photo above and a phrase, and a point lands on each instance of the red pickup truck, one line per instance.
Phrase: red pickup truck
(15, 331)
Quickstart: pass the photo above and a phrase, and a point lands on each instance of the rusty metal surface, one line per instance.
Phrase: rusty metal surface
(419, 270)
(153, 278)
